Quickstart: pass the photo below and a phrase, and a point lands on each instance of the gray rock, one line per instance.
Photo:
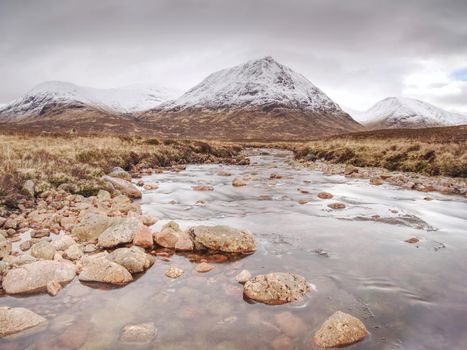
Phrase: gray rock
(14, 320)
(276, 288)
(125, 187)
(120, 173)
(34, 277)
(339, 330)
(122, 232)
(28, 188)
(5, 247)
(224, 238)
(91, 226)
(105, 271)
(43, 250)
(134, 259)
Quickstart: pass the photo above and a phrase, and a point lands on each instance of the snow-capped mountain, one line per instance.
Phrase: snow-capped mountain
(255, 100)
(256, 83)
(398, 112)
(55, 93)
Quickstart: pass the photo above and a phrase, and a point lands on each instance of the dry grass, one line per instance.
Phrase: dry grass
(428, 158)
(76, 163)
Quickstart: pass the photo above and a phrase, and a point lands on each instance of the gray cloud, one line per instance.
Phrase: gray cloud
(357, 51)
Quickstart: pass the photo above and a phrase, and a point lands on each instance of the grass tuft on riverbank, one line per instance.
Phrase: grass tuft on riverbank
(76, 163)
(435, 151)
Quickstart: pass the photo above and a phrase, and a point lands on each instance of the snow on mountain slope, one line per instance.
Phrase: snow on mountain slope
(256, 83)
(398, 112)
(120, 100)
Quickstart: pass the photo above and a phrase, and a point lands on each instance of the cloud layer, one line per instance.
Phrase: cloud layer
(357, 51)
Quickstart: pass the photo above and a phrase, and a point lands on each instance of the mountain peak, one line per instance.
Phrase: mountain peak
(404, 112)
(257, 83)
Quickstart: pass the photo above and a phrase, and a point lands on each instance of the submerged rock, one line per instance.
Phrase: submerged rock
(134, 259)
(122, 232)
(276, 288)
(204, 267)
(224, 238)
(105, 271)
(124, 186)
(340, 329)
(34, 277)
(290, 324)
(173, 237)
(138, 333)
(14, 320)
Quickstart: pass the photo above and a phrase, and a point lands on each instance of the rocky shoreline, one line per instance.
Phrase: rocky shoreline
(378, 176)
(106, 239)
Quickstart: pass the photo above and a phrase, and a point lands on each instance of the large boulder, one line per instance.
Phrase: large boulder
(105, 271)
(91, 226)
(124, 186)
(224, 238)
(5, 247)
(120, 233)
(339, 330)
(134, 259)
(276, 288)
(173, 237)
(34, 277)
(120, 173)
(43, 250)
(17, 319)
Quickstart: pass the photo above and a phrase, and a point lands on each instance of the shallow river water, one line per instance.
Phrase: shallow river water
(410, 296)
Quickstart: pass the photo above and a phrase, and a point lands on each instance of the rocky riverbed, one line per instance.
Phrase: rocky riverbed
(267, 256)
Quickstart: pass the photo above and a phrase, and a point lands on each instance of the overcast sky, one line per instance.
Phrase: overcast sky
(357, 51)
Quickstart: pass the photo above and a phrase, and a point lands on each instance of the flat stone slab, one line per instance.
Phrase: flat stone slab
(15, 320)
(224, 239)
(34, 277)
(276, 288)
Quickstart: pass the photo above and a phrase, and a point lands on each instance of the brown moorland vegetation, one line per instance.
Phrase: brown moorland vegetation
(76, 163)
(431, 151)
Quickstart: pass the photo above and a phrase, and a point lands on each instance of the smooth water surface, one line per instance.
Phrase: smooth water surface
(410, 296)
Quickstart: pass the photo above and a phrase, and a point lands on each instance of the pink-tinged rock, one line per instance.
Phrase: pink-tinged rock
(143, 238)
